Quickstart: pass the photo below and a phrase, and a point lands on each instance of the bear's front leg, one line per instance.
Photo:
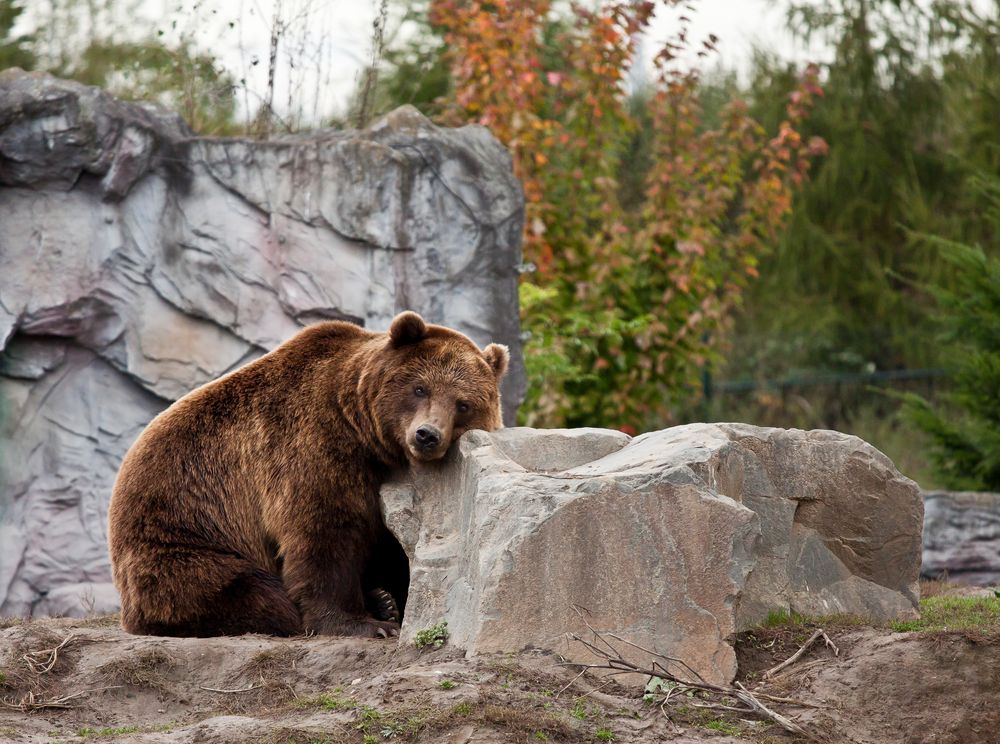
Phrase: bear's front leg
(322, 572)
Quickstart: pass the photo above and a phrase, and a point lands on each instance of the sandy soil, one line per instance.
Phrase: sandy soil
(883, 687)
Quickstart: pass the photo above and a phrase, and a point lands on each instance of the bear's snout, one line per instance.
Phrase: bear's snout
(428, 437)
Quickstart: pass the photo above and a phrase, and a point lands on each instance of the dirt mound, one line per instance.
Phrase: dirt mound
(919, 688)
(71, 681)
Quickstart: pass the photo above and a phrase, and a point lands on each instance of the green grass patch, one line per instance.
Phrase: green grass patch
(723, 727)
(786, 619)
(327, 701)
(954, 613)
(604, 734)
(447, 684)
(781, 618)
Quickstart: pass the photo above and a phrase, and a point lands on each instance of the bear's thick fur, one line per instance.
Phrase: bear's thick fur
(251, 504)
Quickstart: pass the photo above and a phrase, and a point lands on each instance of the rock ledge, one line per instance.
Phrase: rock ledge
(675, 539)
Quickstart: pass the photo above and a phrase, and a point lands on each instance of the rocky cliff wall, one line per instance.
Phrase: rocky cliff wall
(138, 261)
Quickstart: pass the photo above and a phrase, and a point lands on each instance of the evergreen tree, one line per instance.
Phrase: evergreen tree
(15, 51)
(909, 110)
(966, 435)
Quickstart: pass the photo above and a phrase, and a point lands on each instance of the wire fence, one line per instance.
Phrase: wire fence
(711, 387)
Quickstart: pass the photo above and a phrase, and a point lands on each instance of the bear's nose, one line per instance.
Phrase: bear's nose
(428, 437)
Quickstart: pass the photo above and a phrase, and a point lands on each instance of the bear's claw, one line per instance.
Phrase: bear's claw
(382, 605)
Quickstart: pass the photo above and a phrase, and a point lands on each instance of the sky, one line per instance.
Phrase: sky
(327, 43)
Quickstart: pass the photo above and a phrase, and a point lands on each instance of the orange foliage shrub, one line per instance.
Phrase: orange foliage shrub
(628, 301)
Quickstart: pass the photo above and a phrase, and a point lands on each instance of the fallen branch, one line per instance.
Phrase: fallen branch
(788, 701)
(798, 669)
(29, 702)
(244, 689)
(570, 683)
(776, 717)
(613, 662)
(820, 633)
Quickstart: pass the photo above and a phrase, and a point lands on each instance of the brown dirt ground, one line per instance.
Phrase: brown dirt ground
(883, 687)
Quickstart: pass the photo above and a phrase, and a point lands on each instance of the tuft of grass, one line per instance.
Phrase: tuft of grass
(145, 669)
(941, 613)
(723, 727)
(434, 636)
(447, 684)
(604, 734)
(88, 733)
(781, 618)
(541, 736)
(462, 709)
(579, 710)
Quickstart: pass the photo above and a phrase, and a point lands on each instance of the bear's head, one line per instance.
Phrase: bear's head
(437, 386)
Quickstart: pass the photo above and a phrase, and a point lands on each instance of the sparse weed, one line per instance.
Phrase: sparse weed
(88, 733)
(372, 721)
(604, 734)
(329, 701)
(447, 684)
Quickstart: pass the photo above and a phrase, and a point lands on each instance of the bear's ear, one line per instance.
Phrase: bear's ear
(498, 357)
(407, 328)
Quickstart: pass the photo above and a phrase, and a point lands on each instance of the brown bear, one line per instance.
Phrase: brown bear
(251, 505)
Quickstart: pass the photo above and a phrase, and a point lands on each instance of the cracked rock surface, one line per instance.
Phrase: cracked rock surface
(675, 540)
(138, 261)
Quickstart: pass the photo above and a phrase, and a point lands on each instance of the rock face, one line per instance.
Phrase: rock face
(962, 537)
(674, 540)
(138, 261)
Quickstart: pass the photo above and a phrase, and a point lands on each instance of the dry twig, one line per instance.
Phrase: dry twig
(41, 662)
(243, 689)
(820, 633)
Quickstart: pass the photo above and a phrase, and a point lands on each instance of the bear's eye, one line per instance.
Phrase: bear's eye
(420, 391)
(462, 407)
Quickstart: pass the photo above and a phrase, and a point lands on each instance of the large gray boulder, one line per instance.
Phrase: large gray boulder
(138, 261)
(675, 540)
(962, 537)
